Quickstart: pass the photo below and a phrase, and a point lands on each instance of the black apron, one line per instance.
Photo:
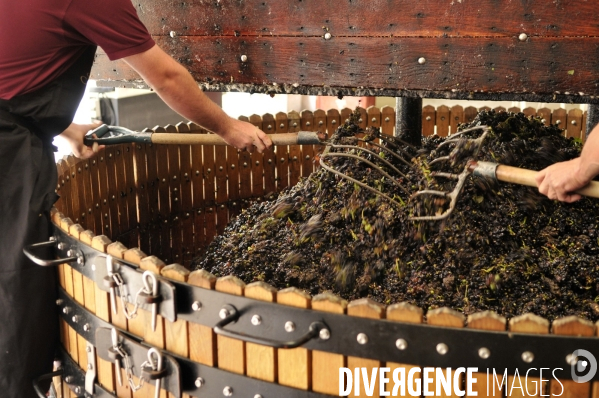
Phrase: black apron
(28, 317)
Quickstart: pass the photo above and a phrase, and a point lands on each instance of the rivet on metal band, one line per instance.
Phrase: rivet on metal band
(223, 313)
(362, 338)
(289, 326)
(442, 348)
(324, 334)
(528, 356)
(484, 353)
(401, 344)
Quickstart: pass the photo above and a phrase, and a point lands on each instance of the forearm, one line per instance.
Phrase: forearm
(173, 83)
(177, 88)
(589, 158)
(74, 135)
(180, 92)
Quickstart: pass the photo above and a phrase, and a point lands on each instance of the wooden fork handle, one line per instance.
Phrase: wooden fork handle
(520, 176)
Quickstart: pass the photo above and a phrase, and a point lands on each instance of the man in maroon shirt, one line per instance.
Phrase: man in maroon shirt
(41, 39)
(46, 52)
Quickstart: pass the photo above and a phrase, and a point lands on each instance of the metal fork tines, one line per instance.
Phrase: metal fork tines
(358, 151)
(464, 147)
(393, 142)
(453, 195)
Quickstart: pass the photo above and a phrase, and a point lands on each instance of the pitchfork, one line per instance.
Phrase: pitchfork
(490, 170)
(108, 135)
(357, 152)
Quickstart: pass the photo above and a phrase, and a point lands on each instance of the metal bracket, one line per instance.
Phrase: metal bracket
(30, 250)
(90, 375)
(94, 265)
(233, 316)
(137, 357)
(133, 281)
(196, 379)
(36, 383)
(76, 379)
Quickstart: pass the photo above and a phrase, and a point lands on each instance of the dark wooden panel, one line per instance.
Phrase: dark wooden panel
(174, 187)
(186, 173)
(540, 66)
(164, 251)
(142, 183)
(370, 17)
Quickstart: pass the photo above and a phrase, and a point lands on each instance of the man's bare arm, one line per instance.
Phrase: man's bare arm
(177, 88)
(561, 179)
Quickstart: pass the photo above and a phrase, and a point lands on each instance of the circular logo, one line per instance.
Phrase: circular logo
(585, 367)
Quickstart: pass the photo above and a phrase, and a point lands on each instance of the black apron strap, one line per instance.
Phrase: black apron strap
(29, 332)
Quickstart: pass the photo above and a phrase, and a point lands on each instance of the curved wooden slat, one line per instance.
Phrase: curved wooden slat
(231, 352)
(571, 326)
(365, 308)
(202, 340)
(405, 312)
(325, 366)
(261, 360)
(443, 317)
(527, 323)
(295, 365)
(486, 320)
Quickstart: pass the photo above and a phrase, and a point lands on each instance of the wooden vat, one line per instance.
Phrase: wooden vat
(165, 204)
(156, 207)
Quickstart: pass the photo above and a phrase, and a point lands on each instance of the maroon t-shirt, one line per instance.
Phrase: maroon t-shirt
(40, 39)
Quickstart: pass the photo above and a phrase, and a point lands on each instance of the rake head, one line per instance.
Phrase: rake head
(393, 153)
(463, 149)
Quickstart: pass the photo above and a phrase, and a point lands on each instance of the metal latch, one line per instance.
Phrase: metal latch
(147, 363)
